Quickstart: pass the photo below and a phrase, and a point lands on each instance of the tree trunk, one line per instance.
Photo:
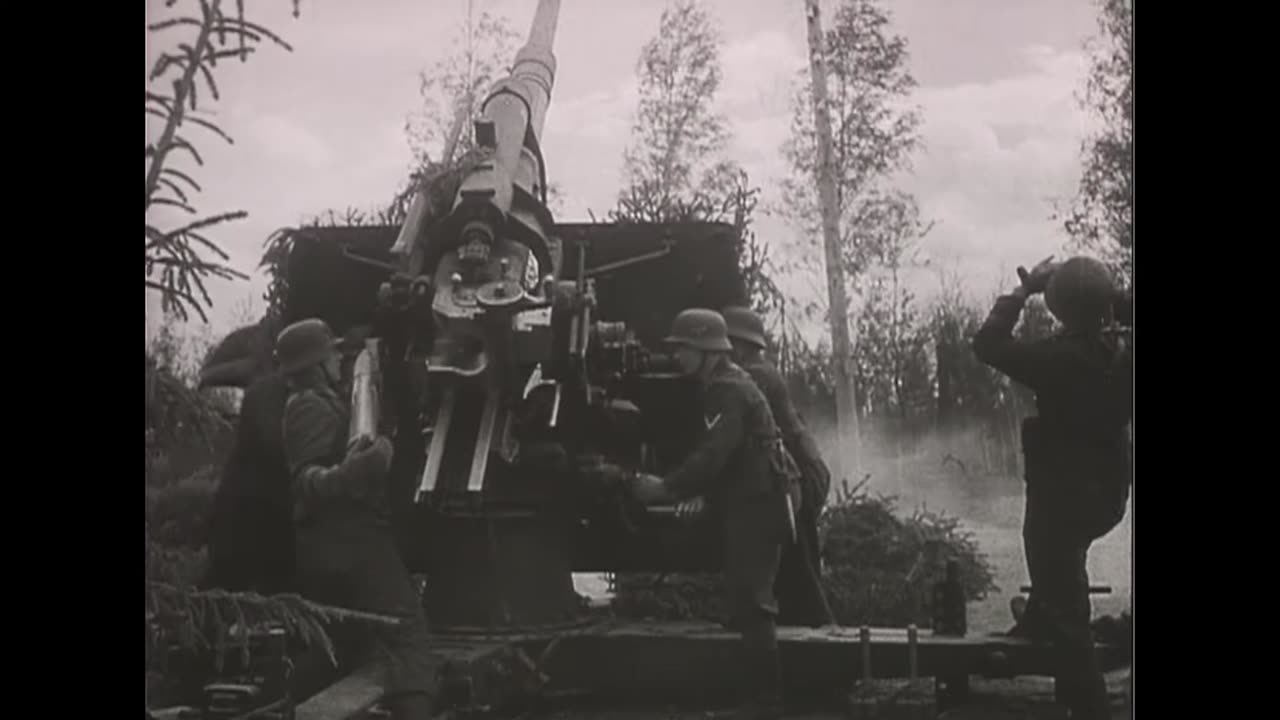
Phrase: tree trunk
(837, 300)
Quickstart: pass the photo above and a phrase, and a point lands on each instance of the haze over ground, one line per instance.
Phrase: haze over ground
(323, 127)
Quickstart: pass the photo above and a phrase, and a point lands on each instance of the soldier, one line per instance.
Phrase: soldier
(251, 522)
(1076, 452)
(740, 467)
(346, 553)
(801, 600)
(251, 525)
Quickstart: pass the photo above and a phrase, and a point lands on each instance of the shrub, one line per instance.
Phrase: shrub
(879, 568)
(178, 514)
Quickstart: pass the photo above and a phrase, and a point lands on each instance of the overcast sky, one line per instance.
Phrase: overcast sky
(323, 127)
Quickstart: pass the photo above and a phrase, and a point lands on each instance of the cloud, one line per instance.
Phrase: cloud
(604, 115)
(759, 74)
(995, 156)
(288, 140)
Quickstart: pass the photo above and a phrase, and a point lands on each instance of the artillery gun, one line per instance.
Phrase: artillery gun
(510, 357)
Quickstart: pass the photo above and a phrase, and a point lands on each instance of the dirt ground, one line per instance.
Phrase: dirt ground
(1021, 699)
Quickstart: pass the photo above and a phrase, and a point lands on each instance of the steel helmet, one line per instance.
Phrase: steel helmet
(305, 344)
(701, 329)
(744, 325)
(1080, 291)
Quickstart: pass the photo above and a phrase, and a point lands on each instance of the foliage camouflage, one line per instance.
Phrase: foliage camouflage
(879, 568)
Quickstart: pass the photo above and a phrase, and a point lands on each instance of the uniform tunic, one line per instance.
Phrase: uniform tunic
(346, 553)
(801, 600)
(737, 466)
(799, 442)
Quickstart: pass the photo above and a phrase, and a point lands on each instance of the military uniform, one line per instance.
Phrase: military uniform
(1077, 475)
(739, 466)
(801, 599)
(251, 541)
(734, 468)
(346, 553)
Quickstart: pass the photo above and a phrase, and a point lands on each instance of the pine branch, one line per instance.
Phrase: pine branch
(214, 56)
(186, 613)
(174, 22)
(181, 143)
(288, 600)
(193, 92)
(172, 299)
(167, 201)
(164, 62)
(154, 234)
(176, 190)
(182, 176)
(182, 88)
(213, 85)
(164, 102)
(201, 266)
(189, 236)
(207, 222)
(250, 30)
(240, 15)
(175, 255)
(210, 126)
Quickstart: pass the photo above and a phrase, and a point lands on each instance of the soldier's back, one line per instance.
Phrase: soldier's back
(1077, 447)
(1088, 391)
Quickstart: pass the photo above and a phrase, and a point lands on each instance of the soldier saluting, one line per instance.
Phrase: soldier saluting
(1076, 451)
(801, 600)
(346, 554)
(740, 467)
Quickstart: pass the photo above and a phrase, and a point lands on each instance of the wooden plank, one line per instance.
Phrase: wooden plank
(1093, 589)
(674, 659)
(826, 635)
(358, 692)
(347, 698)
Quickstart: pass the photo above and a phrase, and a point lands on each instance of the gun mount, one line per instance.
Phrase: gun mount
(510, 358)
(494, 468)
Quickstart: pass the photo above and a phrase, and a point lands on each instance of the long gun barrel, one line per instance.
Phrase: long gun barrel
(510, 130)
(506, 193)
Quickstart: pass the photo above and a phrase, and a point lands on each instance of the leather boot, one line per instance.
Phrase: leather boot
(764, 689)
